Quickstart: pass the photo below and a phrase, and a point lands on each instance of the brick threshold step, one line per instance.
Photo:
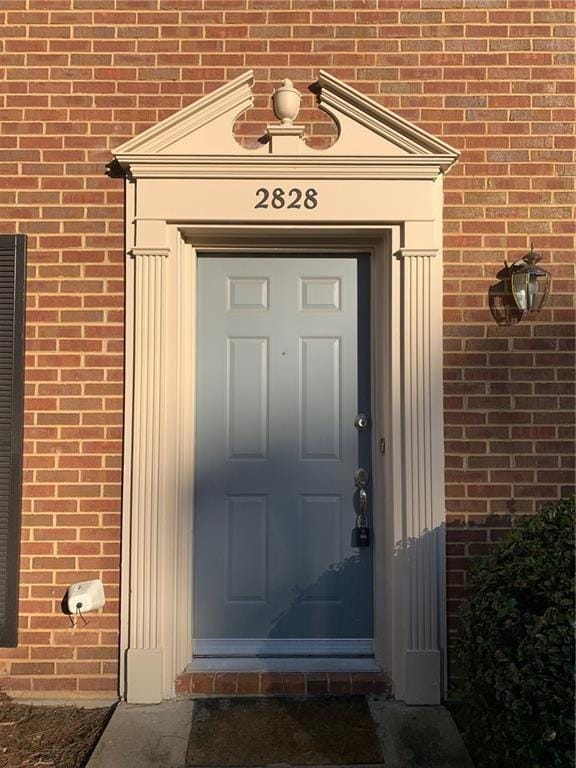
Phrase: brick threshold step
(258, 682)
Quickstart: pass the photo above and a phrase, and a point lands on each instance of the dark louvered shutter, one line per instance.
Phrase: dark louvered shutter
(12, 282)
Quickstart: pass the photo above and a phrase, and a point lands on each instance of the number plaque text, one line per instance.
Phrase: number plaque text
(293, 198)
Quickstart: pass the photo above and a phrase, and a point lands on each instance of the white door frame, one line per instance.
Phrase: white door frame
(389, 205)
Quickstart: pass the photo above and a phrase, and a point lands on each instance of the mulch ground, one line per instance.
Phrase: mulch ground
(48, 737)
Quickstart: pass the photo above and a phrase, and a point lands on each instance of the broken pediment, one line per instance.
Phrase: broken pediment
(205, 129)
(366, 127)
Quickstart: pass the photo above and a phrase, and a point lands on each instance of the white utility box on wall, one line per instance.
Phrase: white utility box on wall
(85, 596)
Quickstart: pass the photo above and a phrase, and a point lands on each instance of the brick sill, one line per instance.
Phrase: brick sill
(281, 683)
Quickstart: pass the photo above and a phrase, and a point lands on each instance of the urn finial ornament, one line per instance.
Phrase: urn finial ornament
(286, 102)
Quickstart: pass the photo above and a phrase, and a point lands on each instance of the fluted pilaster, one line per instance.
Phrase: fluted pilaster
(144, 661)
(422, 471)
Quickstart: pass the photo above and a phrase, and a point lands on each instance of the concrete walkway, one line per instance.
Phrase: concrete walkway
(156, 736)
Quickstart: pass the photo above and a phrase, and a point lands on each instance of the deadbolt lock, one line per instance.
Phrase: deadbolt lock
(361, 477)
(361, 421)
(361, 533)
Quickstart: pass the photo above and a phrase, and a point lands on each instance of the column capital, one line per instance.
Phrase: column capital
(403, 253)
(150, 252)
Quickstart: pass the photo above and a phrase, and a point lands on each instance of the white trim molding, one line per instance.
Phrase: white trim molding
(225, 104)
(144, 657)
(190, 186)
(341, 100)
(151, 252)
(403, 253)
(423, 481)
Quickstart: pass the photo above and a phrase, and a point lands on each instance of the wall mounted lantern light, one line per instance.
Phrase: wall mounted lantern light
(530, 283)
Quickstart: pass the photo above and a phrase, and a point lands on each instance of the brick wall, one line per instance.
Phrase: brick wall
(77, 77)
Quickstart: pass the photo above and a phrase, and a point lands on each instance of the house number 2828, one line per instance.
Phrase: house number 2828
(292, 198)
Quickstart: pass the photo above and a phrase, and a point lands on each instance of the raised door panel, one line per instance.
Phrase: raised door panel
(246, 558)
(321, 550)
(320, 385)
(247, 398)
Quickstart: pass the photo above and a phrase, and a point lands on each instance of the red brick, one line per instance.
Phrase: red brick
(79, 81)
(202, 682)
(101, 683)
(271, 683)
(294, 684)
(339, 683)
(32, 668)
(362, 683)
(226, 683)
(248, 683)
(317, 684)
(182, 684)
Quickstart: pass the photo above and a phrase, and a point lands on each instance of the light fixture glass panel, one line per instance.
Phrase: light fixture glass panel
(530, 284)
(519, 290)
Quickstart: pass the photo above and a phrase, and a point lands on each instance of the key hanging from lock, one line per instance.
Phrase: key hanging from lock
(361, 533)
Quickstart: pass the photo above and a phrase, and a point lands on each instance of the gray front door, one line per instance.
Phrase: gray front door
(283, 371)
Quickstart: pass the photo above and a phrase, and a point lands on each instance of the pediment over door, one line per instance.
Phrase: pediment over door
(369, 135)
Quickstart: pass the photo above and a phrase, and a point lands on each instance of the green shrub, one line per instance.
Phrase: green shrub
(516, 646)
